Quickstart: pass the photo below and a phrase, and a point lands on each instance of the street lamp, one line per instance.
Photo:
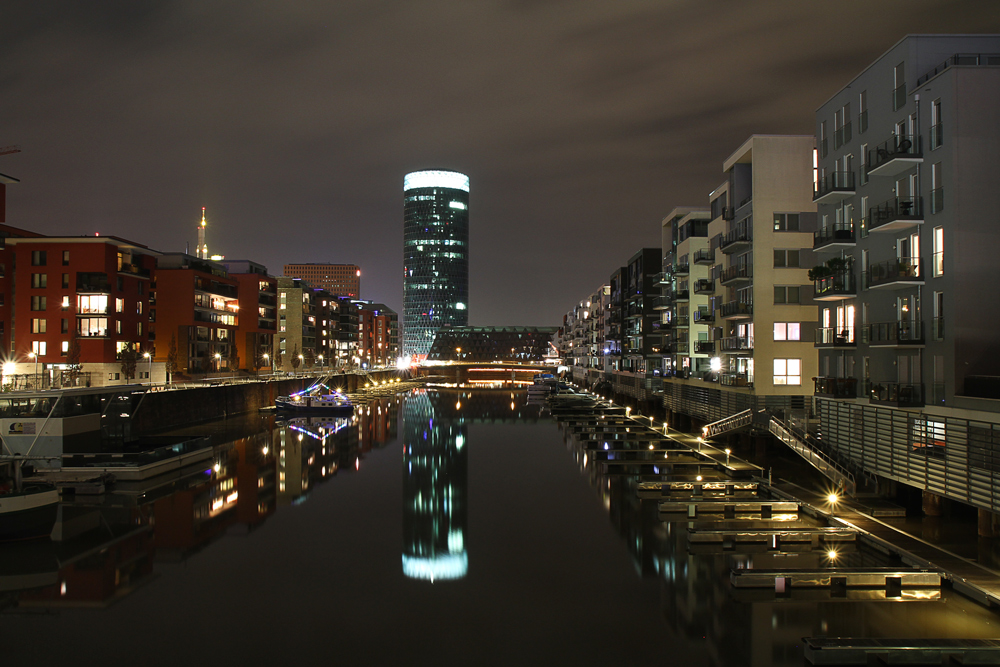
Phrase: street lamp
(32, 355)
(149, 373)
(302, 359)
(266, 362)
(321, 363)
(218, 362)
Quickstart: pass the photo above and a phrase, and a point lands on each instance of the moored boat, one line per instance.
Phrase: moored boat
(311, 400)
(27, 509)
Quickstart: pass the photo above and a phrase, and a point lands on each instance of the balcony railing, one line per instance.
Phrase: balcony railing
(937, 328)
(899, 97)
(704, 346)
(682, 295)
(834, 186)
(840, 235)
(704, 316)
(840, 285)
(863, 122)
(836, 387)
(937, 200)
(738, 273)
(737, 343)
(134, 269)
(705, 256)
(736, 380)
(737, 309)
(728, 213)
(898, 394)
(896, 213)
(704, 286)
(740, 236)
(937, 136)
(682, 269)
(899, 272)
(842, 135)
(896, 154)
(894, 334)
(963, 59)
(836, 337)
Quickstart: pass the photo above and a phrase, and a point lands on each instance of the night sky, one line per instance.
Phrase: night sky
(581, 123)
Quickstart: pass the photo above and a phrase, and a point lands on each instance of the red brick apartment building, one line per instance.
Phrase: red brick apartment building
(95, 289)
(197, 310)
(337, 279)
(258, 313)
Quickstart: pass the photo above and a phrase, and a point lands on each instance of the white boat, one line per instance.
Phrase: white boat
(27, 509)
(312, 399)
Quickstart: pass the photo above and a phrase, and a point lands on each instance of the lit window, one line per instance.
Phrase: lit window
(787, 331)
(119, 305)
(787, 372)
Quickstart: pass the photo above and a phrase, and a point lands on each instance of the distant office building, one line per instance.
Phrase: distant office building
(435, 256)
(336, 279)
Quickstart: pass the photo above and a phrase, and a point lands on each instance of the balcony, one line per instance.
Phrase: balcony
(836, 387)
(839, 286)
(728, 213)
(894, 274)
(863, 122)
(704, 317)
(896, 213)
(842, 135)
(682, 295)
(662, 302)
(897, 394)
(736, 310)
(937, 328)
(737, 274)
(736, 380)
(704, 347)
(704, 257)
(937, 200)
(682, 269)
(736, 240)
(134, 270)
(937, 136)
(92, 283)
(835, 186)
(737, 344)
(704, 286)
(905, 333)
(895, 155)
(834, 238)
(836, 337)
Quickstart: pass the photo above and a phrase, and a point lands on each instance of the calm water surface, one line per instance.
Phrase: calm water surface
(442, 527)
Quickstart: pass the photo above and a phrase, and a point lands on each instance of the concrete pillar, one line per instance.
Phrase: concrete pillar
(989, 523)
(932, 504)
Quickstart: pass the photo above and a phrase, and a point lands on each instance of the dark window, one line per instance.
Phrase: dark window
(786, 294)
(38, 303)
(65, 257)
(38, 258)
(65, 325)
(121, 284)
(39, 280)
(786, 222)
(65, 281)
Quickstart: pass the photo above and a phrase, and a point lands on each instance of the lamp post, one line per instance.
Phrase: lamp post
(32, 355)
(149, 373)
(321, 364)
(266, 357)
(218, 363)
(302, 358)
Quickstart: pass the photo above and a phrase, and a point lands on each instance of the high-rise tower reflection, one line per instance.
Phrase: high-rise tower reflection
(435, 485)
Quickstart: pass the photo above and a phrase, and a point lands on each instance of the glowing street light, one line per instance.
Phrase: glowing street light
(149, 373)
(728, 452)
(218, 362)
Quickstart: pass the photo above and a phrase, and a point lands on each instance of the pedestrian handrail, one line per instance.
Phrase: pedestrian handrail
(814, 457)
(730, 423)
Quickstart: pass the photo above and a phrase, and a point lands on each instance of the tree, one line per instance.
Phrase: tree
(73, 359)
(172, 360)
(129, 359)
(295, 357)
(234, 357)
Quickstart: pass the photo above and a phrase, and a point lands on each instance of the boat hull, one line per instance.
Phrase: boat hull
(306, 406)
(29, 514)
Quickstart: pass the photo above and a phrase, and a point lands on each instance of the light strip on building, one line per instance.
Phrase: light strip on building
(436, 179)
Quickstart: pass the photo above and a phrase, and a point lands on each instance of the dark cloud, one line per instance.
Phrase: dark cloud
(580, 123)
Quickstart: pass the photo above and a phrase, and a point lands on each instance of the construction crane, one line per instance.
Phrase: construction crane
(6, 150)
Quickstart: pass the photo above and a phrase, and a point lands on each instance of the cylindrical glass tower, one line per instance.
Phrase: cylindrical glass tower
(435, 256)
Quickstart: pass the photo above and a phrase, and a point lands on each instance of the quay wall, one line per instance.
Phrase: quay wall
(162, 410)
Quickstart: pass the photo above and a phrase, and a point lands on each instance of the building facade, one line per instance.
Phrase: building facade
(378, 333)
(741, 295)
(907, 384)
(435, 256)
(257, 323)
(336, 279)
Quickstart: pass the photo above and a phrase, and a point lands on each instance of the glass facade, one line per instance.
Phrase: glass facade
(435, 256)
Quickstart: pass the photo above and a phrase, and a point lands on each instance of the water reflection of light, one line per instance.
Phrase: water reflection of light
(444, 567)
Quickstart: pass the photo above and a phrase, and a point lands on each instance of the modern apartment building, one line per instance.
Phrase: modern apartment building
(197, 314)
(86, 292)
(336, 279)
(907, 384)
(738, 306)
(304, 325)
(378, 333)
(257, 323)
(435, 256)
